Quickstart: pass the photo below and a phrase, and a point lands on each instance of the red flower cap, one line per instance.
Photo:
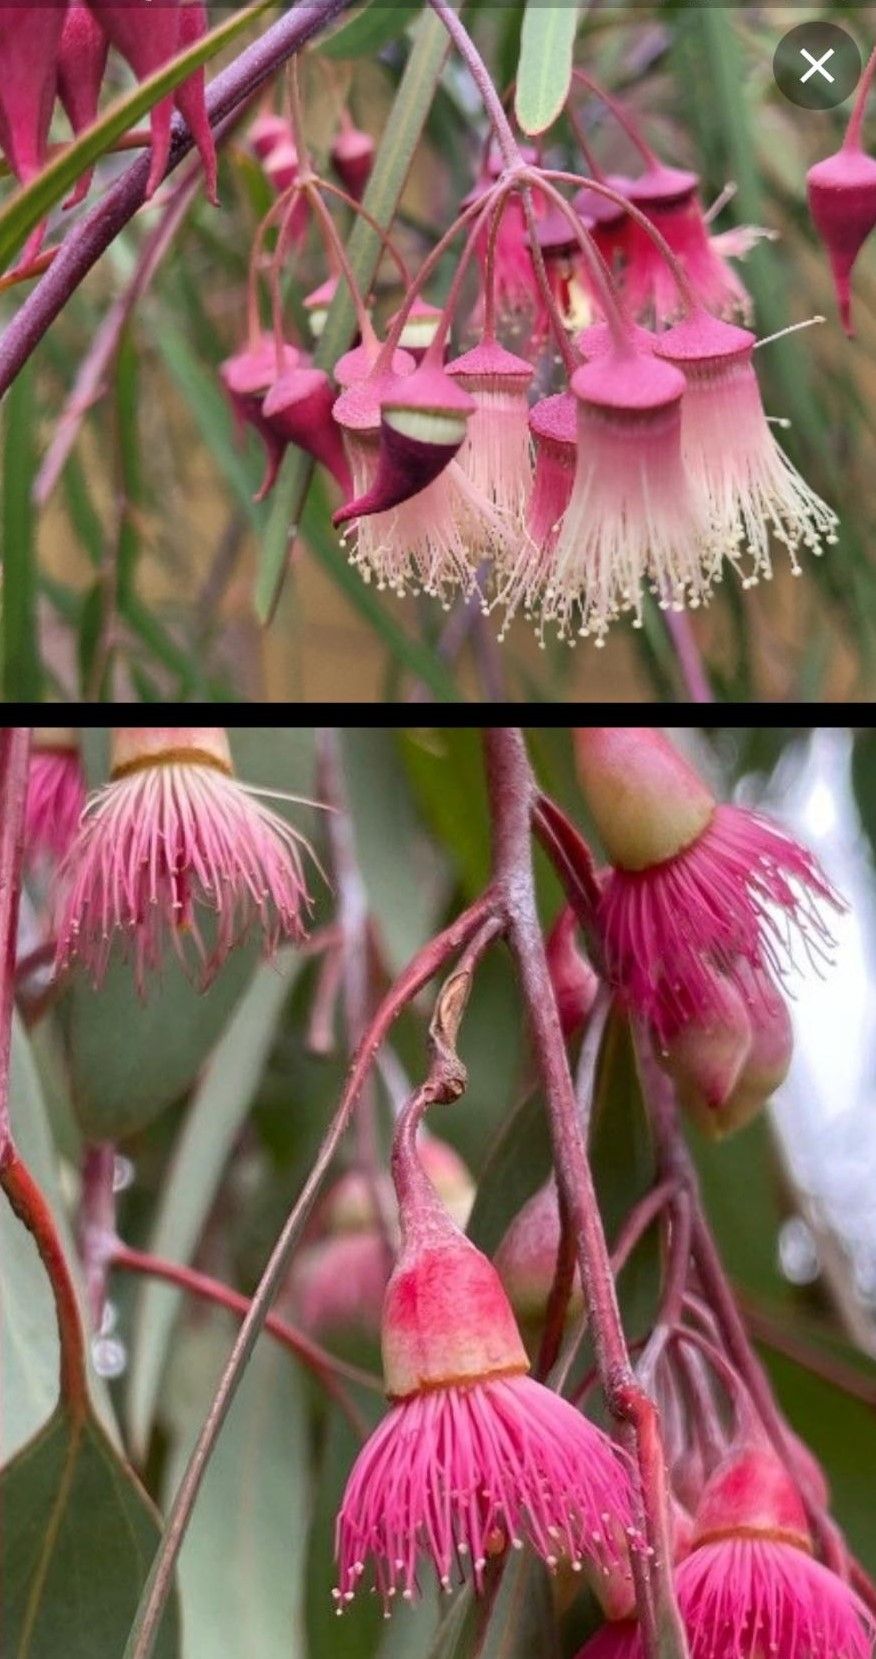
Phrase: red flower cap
(298, 409)
(661, 186)
(266, 131)
(842, 201)
(82, 59)
(422, 425)
(352, 156)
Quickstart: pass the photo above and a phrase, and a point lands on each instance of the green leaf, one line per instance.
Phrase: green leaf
(19, 646)
(404, 873)
(130, 1058)
(28, 206)
(544, 72)
(203, 394)
(446, 768)
(241, 1568)
(369, 29)
(78, 1536)
(401, 136)
(842, 1434)
(218, 1109)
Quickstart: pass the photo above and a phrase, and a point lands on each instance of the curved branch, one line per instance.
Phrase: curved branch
(83, 247)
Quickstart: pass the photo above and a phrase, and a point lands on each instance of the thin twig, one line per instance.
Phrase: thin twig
(318, 1360)
(420, 970)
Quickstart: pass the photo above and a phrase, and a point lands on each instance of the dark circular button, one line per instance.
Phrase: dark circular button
(817, 65)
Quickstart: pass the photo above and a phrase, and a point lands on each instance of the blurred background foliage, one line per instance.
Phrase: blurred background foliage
(135, 580)
(217, 1105)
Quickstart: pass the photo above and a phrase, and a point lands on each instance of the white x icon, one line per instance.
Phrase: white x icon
(817, 65)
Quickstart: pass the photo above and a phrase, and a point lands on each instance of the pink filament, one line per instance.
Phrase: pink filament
(160, 846)
(459, 1473)
(742, 890)
(55, 798)
(742, 1598)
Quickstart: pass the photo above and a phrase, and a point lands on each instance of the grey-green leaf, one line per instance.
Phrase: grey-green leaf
(241, 1569)
(217, 1111)
(77, 1538)
(544, 71)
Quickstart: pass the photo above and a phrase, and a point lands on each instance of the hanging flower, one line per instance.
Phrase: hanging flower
(695, 885)
(474, 1457)
(174, 839)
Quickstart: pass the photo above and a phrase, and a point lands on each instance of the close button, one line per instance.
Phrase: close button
(817, 65)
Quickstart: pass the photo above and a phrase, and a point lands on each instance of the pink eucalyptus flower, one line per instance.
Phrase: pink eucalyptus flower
(669, 198)
(495, 453)
(55, 794)
(171, 838)
(752, 490)
(474, 1456)
(427, 541)
(751, 1583)
(635, 520)
(750, 1588)
(694, 885)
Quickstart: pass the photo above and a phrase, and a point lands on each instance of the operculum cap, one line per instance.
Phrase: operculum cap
(447, 1320)
(750, 1493)
(646, 801)
(135, 746)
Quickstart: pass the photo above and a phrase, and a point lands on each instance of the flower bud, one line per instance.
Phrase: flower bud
(842, 201)
(769, 1057)
(29, 39)
(267, 131)
(148, 37)
(706, 1052)
(247, 377)
(419, 328)
(298, 409)
(526, 1259)
(574, 981)
(352, 157)
(647, 803)
(337, 1286)
(82, 59)
(423, 423)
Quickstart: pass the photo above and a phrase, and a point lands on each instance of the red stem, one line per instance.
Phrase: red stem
(512, 801)
(323, 1364)
(32, 1210)
(852, 140)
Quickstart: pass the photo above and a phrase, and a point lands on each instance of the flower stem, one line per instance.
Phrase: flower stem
(428, 961)
(513, 797)
(33, 1211)
(317, 1359)
(83, 246)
